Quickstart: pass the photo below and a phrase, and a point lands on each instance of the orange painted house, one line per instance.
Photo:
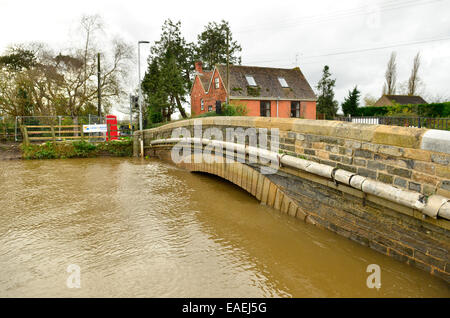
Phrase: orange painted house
(268, 92)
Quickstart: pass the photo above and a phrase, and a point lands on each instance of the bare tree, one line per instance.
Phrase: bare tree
(89, 24)
(39, 82)
(369, 100)
(436, 98)
(414, 80)
(390, 76)
(80, 80)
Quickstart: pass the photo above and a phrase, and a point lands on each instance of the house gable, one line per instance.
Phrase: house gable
(204, 90)
(383, 101)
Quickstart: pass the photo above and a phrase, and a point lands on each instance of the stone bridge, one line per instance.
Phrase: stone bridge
(384, 187)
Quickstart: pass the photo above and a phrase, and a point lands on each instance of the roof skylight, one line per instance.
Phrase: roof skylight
(283, 82)
(250, 80)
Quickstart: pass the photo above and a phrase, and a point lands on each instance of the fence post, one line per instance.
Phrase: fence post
(52, 128)
(4, 128)
(25, 135)
(82, 132)
(59, 127)
(15, 130)
(418, 123)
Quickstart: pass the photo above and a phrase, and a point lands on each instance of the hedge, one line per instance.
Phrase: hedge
(433, 110)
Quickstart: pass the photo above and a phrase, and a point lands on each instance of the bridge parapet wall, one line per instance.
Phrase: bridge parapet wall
(408, 158)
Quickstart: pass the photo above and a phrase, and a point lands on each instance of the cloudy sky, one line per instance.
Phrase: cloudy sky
(354, 37)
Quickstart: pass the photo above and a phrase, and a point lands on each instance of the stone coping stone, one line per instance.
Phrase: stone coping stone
(436, 140)
(406, 137)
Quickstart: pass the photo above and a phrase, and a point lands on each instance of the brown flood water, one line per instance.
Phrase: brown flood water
(148, 229)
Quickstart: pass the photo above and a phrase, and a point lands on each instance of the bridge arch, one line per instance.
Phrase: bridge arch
(251, 180)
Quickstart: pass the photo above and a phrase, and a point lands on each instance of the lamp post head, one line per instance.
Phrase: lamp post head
(143, 42)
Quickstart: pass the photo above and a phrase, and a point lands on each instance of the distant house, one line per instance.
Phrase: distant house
(268, 92)
(389, 100)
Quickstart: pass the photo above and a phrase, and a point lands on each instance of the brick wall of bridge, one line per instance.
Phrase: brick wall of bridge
(392, 155)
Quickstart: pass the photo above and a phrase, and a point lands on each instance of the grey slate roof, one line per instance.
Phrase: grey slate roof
(267, 80)
(405, 100)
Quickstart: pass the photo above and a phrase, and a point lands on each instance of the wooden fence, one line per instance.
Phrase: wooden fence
(6, 133)
(32, 133)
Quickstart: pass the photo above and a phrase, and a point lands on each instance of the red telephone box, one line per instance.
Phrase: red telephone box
(113, 132)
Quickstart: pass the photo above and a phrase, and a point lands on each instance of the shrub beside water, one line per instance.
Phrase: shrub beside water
(118, 148)
(77, 149)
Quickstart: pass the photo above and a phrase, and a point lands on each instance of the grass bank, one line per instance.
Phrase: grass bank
(77, 149)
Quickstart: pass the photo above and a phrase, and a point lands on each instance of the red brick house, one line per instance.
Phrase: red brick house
(268, 92)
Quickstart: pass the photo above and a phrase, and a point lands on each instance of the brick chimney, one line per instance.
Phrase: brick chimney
(198, 67)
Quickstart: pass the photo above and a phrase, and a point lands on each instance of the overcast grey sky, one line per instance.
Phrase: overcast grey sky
(354, 37)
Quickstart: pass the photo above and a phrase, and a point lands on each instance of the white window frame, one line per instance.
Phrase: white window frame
(250, 80)
(210, 108)
(216, 82)
(283, 82)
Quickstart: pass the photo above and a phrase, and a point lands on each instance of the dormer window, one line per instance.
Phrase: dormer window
(283, 82)
(250, 80)
(216, 82)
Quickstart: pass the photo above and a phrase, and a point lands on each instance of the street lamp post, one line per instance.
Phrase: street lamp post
(139, 81)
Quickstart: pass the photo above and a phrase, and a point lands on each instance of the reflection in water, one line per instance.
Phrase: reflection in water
(146, 228)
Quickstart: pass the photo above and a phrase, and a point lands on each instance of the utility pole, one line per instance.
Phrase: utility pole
(228, 66)
(99, 92)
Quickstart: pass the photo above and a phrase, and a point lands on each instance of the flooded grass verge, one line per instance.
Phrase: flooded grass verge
(77, 149)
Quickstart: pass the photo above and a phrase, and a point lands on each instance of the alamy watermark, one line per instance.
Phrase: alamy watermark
(374, 279)
(252, 145)
(74, 279)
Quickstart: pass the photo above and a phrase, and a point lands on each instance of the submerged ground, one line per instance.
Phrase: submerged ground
(9, 151)
(146, 228)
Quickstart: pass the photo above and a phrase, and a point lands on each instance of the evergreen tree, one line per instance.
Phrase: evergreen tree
(212, 45)
(351, 102)
(325, 102)
(167, 80)
(156, 93)
(18, 59)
